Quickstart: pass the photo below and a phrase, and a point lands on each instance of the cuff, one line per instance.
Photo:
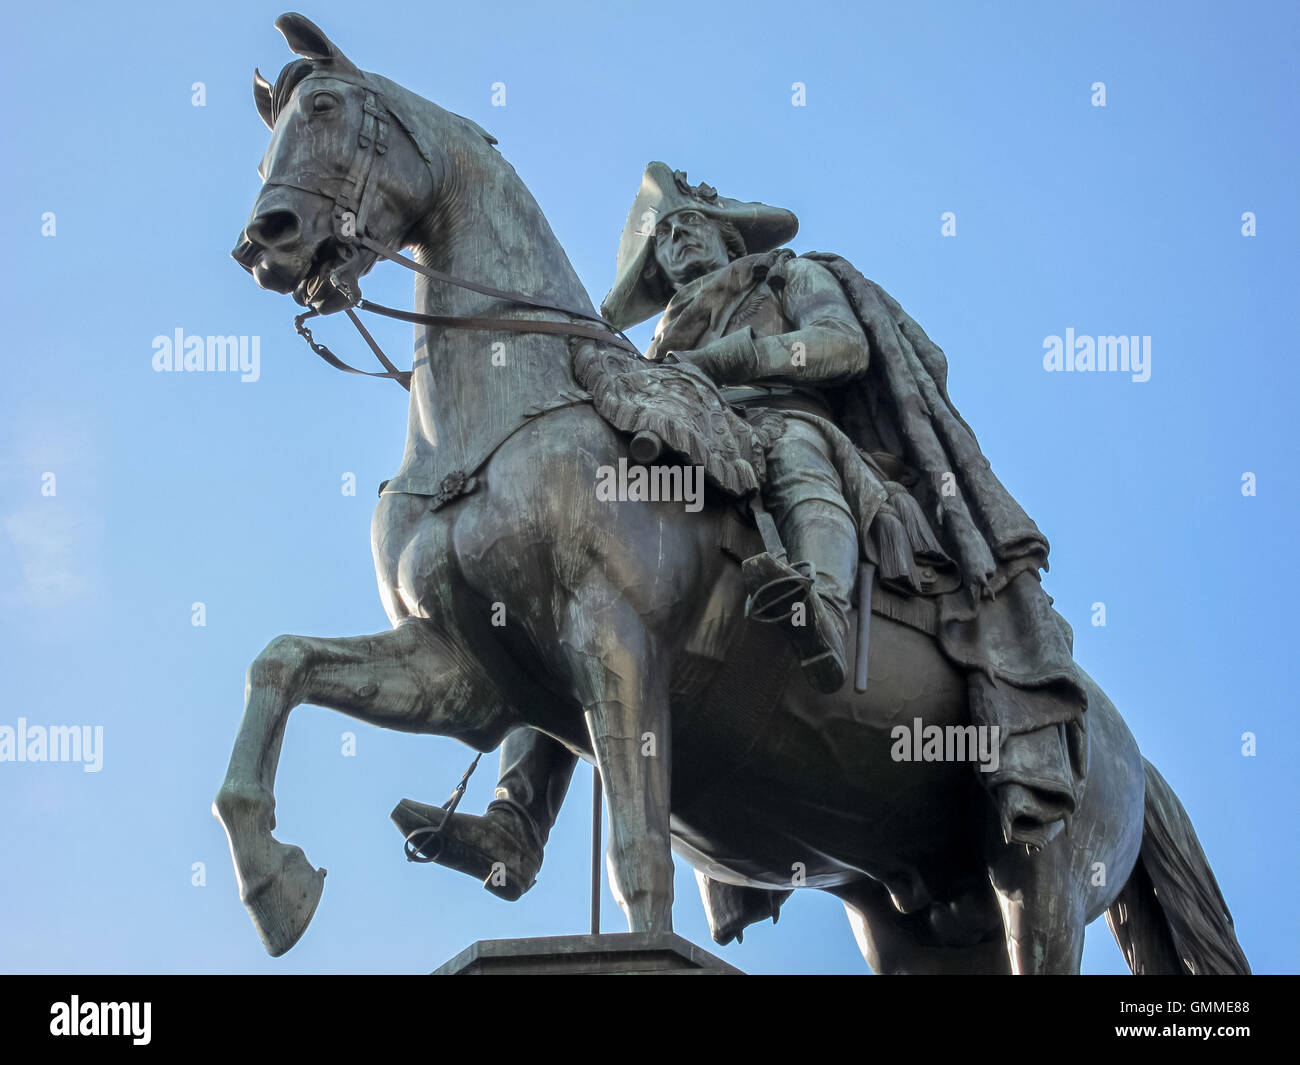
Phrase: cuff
(729, 360)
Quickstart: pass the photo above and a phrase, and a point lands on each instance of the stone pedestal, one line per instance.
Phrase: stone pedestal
(615, 954)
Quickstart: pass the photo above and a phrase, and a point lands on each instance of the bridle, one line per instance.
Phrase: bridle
(349, 233)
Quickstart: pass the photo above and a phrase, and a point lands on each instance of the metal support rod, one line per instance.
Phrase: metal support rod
(596, 815)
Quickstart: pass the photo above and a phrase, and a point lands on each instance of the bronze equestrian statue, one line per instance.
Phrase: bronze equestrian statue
(848, 503)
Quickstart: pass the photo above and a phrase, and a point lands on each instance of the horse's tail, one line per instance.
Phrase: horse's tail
(1170, 918)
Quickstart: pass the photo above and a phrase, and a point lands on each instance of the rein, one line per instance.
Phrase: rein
(603, 331)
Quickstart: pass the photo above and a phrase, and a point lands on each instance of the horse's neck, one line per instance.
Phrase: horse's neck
(470, 388)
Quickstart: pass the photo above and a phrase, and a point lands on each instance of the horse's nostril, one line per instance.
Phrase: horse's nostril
(274, 227)
(245, 253)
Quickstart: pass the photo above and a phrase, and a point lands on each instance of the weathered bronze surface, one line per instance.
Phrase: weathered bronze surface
(537, 601)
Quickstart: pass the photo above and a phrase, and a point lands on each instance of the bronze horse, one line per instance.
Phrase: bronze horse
(614, 612)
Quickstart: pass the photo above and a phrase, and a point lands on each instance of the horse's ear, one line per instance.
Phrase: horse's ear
(262, 97)
(308, 40)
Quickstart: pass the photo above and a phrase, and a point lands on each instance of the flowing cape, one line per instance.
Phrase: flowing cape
(1001, 627)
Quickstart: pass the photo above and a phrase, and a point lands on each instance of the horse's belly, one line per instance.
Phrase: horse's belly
(824, 795)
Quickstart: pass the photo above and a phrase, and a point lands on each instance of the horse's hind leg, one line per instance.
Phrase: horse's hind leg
(896, 944)
(395, 679)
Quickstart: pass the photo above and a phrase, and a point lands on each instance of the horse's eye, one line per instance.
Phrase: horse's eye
(324, 101)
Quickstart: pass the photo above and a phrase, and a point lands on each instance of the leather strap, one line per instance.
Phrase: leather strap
(514, 325)
(379, 352)
(402, 377)
(396, 256)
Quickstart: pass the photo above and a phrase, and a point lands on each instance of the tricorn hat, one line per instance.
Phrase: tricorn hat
(638, 290)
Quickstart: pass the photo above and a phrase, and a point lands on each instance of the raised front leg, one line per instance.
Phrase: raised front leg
(404, 679)
(622, 686)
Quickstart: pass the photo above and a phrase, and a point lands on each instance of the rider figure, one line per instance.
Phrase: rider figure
(770, 342)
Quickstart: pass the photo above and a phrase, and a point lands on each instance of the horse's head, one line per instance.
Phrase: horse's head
(340, 162)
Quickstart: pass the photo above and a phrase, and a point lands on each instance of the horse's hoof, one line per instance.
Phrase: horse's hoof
(283, 903)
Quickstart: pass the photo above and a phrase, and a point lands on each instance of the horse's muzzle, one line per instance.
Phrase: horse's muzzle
(245, 253)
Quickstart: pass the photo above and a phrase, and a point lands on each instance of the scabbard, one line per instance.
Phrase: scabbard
(866, 578)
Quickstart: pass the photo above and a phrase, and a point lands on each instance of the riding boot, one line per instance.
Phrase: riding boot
(822, 541)
(504, 846)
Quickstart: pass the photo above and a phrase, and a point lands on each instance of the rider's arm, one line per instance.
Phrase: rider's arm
(827, 344)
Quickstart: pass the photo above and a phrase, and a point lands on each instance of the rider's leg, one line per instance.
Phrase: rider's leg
(504, 846)
(534, 778)
(806, 499)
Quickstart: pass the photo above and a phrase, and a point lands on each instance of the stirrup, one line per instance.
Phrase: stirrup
(765, 600)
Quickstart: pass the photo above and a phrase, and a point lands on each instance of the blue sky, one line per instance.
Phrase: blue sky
(173, 489)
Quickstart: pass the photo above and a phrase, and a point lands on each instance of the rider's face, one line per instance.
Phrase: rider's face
(688, 245)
